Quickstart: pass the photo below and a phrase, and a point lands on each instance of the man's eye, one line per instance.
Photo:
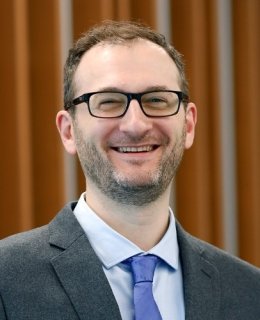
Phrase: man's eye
(156, 100)
(109, 104)
(108, 101)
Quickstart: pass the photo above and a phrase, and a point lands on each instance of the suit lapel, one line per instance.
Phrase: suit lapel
(201, 280)
(79, 270)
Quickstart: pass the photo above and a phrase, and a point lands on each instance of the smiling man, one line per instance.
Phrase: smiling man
(118, 252)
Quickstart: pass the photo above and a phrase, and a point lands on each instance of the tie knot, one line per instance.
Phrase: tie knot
(143, 267)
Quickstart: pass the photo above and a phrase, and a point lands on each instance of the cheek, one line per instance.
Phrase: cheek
(98, 131)
(174, 129)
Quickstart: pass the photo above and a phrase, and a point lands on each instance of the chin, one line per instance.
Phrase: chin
(137, 180)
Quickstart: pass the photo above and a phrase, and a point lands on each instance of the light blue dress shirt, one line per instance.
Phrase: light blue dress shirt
(112, 248)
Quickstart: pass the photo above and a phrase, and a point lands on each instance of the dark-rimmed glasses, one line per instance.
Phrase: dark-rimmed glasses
(114, 104)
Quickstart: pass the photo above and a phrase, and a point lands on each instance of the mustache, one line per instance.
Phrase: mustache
(146, 139)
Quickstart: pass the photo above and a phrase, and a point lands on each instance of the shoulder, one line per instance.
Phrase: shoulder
(236, 277)
(24, 239)
(226, 263)
(23, 258)
(19, 252)
(223, 261)
(33, 244)
(229, 283)
(220, 258)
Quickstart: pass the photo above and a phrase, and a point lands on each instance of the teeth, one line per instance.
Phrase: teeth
(135, 149)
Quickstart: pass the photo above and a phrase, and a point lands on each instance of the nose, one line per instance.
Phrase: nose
(135, 122)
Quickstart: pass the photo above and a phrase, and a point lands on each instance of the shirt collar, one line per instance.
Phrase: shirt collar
(104, 239)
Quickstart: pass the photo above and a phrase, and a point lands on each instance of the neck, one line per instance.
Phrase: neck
(144, 225)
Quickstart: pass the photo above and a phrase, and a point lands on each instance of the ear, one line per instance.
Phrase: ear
(65, 128)
(191, 120)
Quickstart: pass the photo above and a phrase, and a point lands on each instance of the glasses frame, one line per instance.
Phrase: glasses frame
(130, 96)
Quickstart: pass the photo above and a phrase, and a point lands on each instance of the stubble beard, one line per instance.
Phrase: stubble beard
(115, 185)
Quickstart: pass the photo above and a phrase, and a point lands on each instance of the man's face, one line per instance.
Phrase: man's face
(131, 159)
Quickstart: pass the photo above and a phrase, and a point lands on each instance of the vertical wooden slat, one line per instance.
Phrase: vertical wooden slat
(107, 9)
(124, 9)
(24, 179)
(144, 11)
(247, 82)
(198, 181)
(215, 211)
(16, 192)
(9, 210)
(193, 185)
(85, 14)
(45, 95)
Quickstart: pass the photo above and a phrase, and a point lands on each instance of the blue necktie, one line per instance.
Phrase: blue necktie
(143, 269)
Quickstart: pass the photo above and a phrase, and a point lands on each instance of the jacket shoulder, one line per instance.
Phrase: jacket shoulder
(33, 244)
(238, 281)
(221, 259)
(226, 262)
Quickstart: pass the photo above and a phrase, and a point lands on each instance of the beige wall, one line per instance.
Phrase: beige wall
(217, 191)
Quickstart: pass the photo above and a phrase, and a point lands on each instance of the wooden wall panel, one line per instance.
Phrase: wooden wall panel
(15, 182)
(144, 11)
(24, 178)
(8, 135)
(31, 171)
(246, 25)
(45, 95)
(198, 185)
(215, 211)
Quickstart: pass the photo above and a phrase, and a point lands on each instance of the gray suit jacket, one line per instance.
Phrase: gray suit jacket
(53, 273)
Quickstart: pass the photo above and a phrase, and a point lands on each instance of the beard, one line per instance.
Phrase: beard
(140, 190)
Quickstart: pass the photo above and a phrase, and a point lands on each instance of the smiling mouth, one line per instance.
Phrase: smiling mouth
(136, 149)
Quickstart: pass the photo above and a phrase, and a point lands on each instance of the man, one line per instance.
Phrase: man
(128, 117)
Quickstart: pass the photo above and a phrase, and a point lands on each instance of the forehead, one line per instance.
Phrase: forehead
(132, 66)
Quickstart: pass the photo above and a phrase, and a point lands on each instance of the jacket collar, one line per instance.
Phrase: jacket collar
(79, 270)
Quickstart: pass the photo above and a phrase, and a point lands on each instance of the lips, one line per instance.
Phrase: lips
(131, 149)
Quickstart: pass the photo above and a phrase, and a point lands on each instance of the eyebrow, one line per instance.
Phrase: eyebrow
(150, 88)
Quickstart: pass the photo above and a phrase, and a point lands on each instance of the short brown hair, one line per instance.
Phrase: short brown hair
(115, 32)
